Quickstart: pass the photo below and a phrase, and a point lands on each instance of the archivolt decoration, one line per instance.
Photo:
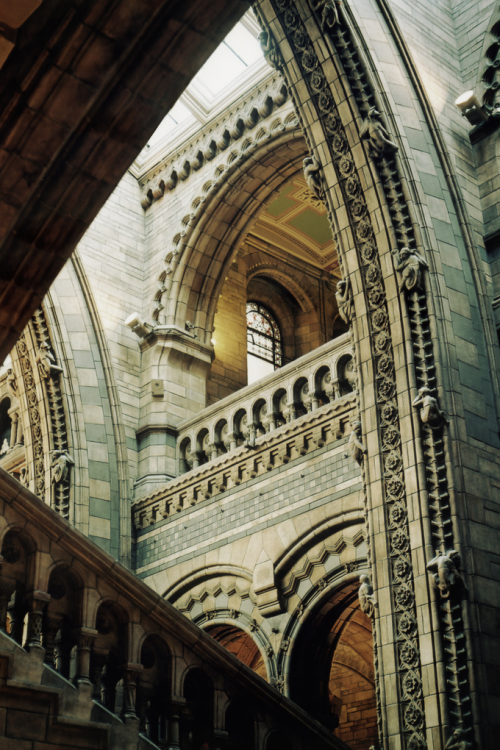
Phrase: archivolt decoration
(247, 116)
(41, 376)
(382, 150)
(190, 223)
(411, 267)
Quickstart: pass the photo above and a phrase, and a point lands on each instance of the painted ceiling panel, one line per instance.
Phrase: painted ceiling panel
(297, 222)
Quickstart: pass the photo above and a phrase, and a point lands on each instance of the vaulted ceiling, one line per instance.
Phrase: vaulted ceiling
(296, 221)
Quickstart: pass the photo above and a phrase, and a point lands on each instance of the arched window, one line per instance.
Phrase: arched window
(264, 353)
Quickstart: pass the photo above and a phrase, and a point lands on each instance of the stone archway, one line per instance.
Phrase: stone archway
(373, 217)
(332, 671)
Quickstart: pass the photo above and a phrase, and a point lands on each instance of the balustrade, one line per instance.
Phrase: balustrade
(65, 600)
(288, 414)
(321, 377)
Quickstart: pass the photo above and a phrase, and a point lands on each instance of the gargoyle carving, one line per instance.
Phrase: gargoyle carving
(311, 173)
(378, 138)
(430, 413)
(46, 361)
(270, 48)
(367, 601)
(61, 461)
(344, 300)
(356, 448)
(457, 741)
(445, 572)
(409, 264)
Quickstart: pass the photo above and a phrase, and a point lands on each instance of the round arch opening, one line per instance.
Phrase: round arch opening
(332, 670)
(286, 261)
(241, 644)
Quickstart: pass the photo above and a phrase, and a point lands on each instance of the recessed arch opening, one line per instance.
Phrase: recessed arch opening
(242, 645)
(285, 260)
(332, 670)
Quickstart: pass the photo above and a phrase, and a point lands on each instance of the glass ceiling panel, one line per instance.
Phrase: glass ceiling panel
(244, 44)
(177, 115)
(219, 70)
(239, 50)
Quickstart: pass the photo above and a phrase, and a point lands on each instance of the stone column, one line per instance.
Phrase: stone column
(230, 442)
(37, 601)
(7, 588)
(51, 626)
(130, 674)
(177, 702)
(84, 638)
(290, 412)
(14, 417)
(98, 662)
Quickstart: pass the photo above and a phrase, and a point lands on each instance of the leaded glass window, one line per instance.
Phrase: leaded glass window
(263, 342)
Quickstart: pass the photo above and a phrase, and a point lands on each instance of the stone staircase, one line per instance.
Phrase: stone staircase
(142, 675)
(41, 709)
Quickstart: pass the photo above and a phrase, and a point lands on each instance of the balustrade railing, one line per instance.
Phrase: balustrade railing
(318, 378)
(297, 409)
(68, 602)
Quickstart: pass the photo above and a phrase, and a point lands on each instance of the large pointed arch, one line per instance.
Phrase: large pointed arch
(215, 231)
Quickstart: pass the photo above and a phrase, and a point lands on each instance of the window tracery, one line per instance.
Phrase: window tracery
(263, 335)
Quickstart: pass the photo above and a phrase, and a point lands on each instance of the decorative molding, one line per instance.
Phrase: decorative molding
(402, 585)
(229, 470)
(257, 105)
(220, 176)
(431, 436)
(60, 447)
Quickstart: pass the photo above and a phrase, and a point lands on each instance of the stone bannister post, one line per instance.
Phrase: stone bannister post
(177, 702)
(85, 638)
(37, 601)
(51, 626)
(98, 662)
(131, 673)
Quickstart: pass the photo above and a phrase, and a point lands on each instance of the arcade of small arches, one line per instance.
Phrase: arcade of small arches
(279, 405)
(87, 637)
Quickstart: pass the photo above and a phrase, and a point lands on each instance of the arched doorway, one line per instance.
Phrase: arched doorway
(332, 670)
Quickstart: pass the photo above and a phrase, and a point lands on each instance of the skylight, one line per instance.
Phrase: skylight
(236, 61)
(178, 115)
(238, 50)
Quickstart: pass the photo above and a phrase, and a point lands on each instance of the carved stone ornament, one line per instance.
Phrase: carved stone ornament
(46, 361)
(312, 175)
(445, 574)
(409, 264)
(5, 447)
(328, 12)
(270, 48)
(367, 601)
(356, 448)
(458, 741)
(12, 382)
(344, 299)
(430, 413)
(24, 477)
(61, 461)
(373, 131)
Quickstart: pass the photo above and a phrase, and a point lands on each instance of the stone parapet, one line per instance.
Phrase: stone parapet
(119, 643)
(292, 440)
(299, 388)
